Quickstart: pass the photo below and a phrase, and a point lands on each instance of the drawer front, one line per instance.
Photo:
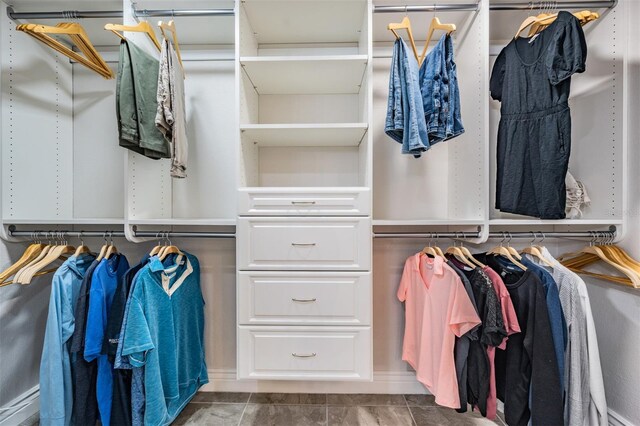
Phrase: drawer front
(304, 243)
(306, 298)
(345, 202)
(304, 353)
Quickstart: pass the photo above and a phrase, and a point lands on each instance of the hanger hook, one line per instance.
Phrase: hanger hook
(406, 10)
(81, 238)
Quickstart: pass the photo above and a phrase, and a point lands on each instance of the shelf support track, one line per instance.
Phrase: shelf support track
(12, 232)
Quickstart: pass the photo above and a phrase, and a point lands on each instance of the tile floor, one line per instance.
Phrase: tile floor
(278, 409)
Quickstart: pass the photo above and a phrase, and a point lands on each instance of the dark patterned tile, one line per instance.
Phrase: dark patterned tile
(438, 416)
(365, 399)
(223, 397)
(418, 400)
(284, 415)
(210, 414)
(369, 416)
(288, 398)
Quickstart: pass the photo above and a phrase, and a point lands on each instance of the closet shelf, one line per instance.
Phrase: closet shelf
(305, 21)
(542, 222)
(323, 134)
(432, 222)
(183, 222)
(302, 75)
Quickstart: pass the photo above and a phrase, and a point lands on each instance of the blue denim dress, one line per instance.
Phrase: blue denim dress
(405, 114)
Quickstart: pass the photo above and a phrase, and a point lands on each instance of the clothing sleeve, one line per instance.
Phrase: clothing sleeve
(497, 76)
(137, 336)
(567, 53)
(164, 115)
(558, 324)
(394, 120)
(463, 316)
(510, 319)
(546, 393)
(405, 281)
(493, 331)
(96, 320)
(52, 399)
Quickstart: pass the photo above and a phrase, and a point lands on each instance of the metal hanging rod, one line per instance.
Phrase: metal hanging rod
(528, 5)
(599, 4)
(118, 234)
(141, 13)
(611, 233)
(427, 8)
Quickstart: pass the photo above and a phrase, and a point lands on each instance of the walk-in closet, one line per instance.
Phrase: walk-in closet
(319, 212)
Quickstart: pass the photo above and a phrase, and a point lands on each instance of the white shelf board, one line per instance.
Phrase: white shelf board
(560, 222)
(183, 222)
(286, 21)
(427, 222)
(303, 189)
(324, 134)
(82, 221)
(301, 75)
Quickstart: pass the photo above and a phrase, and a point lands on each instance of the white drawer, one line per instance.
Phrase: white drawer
(296, 202)
(284, 243)
(304, 353)
(307, 298)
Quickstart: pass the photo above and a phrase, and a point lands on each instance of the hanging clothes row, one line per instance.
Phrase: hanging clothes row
(503, 325)
(123, 345)
(423, 108)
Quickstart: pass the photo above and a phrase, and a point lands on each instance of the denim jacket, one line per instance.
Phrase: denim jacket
(440, 93)
(404, 122)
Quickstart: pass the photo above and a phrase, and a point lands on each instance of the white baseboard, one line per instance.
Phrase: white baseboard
(616, 419)
(27, 405)
(394, 382)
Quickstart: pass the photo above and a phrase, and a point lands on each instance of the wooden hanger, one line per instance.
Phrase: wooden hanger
(593, 254)
(170, 249)
(30, 253)
(82, 249)
(405, 24)
(35, 260)
(431, 249)
(103, 250)
(78, 36)
(536, 252)
(460, 255)
(503, 251)
(433, 26)
(172, 29)
(52, 255)
(584, 16)
(111, 250)
(142, 27)
(155, 250)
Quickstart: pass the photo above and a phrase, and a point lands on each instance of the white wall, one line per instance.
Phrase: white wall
(616, 310)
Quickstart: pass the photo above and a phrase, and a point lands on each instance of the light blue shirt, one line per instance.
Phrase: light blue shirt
(164, 332)
(103, 287)
(56, 381)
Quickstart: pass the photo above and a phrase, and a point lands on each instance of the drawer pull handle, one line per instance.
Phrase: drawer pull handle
(303, 244)
(311, 355)
(303, 203)
(304, 300)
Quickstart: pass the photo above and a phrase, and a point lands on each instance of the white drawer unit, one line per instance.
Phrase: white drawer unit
(309, 298)
(304, 353)
(297, 202)
(286, 243)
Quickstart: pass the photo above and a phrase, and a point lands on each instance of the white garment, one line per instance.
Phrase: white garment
(583, 362)
(171, 116)
(576, 197)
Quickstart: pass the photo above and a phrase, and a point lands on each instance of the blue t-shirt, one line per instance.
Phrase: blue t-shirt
(164, 332)
(103, 286)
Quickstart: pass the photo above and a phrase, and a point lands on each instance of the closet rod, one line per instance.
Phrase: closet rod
(119, 234)
(142, 13)
(427, 8)
(611, 233)
(533, 5)
(528, 5)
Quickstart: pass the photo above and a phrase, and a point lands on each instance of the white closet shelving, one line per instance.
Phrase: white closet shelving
(304, 199)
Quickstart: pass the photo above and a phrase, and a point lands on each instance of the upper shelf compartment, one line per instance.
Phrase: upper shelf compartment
(295, 21)
(299, 75)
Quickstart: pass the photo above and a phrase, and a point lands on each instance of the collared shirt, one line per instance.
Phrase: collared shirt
(437, 310)
(56, 386)
(164, 332)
